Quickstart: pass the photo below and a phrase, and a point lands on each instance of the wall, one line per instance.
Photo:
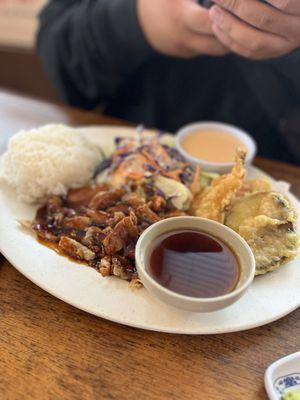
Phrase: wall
(20, 68)
(18, 22)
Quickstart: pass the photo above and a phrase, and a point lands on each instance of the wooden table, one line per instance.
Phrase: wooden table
(50, 350)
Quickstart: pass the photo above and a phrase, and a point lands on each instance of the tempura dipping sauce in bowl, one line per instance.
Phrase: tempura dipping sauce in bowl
(194, 263)
(213, 145)
(211, 267)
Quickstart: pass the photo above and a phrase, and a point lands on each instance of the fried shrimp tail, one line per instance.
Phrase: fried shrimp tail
(212, 201)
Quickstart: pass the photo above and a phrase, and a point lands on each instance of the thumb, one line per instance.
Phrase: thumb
(196, 18)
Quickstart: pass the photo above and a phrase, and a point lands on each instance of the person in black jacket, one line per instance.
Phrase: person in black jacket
(166, 63)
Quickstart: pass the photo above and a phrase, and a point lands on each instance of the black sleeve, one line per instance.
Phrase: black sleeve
(289, 68)
(89, 48)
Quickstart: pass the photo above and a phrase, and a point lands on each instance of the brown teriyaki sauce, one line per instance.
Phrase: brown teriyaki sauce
(193, 263)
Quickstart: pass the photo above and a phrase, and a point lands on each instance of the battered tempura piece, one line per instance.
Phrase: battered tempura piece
(253, 186)
(212, 201)
(266, 221)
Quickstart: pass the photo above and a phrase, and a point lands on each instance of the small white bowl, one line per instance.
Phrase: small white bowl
(222, 232)
(220, 168)
(283, 376)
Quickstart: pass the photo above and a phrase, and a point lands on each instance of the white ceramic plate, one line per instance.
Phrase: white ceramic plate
(270, 297)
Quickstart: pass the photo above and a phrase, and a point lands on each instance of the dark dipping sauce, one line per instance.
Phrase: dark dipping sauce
(194, 264)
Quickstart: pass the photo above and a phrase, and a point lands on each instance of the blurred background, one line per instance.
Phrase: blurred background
(20, 68)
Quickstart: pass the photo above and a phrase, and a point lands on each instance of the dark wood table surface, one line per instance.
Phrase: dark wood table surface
(51, 350)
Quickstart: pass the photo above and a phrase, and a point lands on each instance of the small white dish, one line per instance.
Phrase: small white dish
(227, 235)
(283, 376)
(220, 168)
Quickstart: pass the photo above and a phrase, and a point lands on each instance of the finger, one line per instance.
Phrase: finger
(238, 49)
(196, 18)
(227, 41)
(261, 16)
(203, 44)
(257, 44)
(288, 6)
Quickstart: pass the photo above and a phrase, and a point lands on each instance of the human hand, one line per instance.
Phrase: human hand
(178, 28)
(257, 30)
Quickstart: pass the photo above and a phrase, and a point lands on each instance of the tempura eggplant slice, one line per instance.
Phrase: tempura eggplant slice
(267, 221)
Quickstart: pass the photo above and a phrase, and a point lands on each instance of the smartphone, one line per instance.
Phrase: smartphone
(206, 3)
(209, 3)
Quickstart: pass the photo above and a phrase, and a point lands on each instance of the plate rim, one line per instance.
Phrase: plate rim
(138, 326)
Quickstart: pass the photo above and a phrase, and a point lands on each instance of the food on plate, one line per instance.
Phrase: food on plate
(292, 394)
(267, 221)
(99, 224)
(180, 196)
(94, 208)
(103, 230)
(254, 186)
(211, 145)
(212, 201)
(213, 271)
(143, 159)
(48, 161)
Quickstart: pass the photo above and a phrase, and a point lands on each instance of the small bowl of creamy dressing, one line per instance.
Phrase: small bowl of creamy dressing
(213, 145)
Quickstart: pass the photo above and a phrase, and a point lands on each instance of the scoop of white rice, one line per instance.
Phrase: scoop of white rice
(48, 160)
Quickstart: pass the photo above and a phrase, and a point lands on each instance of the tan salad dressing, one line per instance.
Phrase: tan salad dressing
(212, 145)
